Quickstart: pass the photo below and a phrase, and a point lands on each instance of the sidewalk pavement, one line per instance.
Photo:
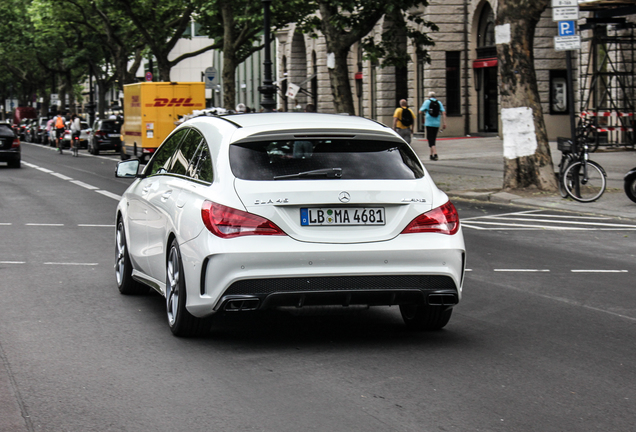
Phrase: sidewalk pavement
(472, 168)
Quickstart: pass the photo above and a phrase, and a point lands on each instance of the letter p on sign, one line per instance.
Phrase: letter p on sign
(567, 28)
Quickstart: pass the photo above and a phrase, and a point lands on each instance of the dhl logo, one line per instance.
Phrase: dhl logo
(165, 102)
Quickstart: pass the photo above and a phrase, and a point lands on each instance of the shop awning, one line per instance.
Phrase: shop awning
(484, 63)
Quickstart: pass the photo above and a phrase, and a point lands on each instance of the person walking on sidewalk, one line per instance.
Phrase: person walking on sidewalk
(434, 118)
(403, 119)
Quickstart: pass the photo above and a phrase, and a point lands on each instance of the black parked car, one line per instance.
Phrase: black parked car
(42, 136)
(9, 146)
(31, 130)
(105, 136)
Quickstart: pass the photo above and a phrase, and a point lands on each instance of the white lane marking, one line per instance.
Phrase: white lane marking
(84, 185)
(563, 216)
(62, 176)
(556, 221)
(463, 224)
(599, 271)
(12, 262)
(505, 214)
(109, 194)
(523, 270)
(43, 224)
(5, 223)
(571, 303)
(77, 182)
(502, 226)
(71, 264)
(95, 226)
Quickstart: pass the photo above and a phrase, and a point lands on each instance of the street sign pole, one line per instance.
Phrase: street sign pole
(568, 64)
(566, 13)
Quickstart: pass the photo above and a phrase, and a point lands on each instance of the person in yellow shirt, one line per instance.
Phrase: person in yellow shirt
(403, 121)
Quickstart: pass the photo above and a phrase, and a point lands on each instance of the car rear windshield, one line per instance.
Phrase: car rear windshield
(111, 127)
(304, 159)
(6, 131)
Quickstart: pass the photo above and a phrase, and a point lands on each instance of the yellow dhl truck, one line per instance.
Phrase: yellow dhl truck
(151, 110)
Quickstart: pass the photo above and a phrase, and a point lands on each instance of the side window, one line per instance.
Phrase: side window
(160, 162)
(186, 152)
(201, 166)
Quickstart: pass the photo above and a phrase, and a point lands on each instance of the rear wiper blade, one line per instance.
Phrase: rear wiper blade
(325, 172)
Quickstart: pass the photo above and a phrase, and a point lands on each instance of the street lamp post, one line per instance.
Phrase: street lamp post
(268, 89)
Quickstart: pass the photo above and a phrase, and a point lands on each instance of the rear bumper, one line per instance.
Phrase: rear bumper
(279, 271)
(13, 154)
(108, 144)
(378, 290)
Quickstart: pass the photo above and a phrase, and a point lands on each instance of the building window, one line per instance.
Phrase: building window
(453, 83)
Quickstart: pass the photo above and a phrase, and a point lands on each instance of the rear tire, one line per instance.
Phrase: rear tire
(123, 266)
(423, 317)
(181, 322)
(16, 163)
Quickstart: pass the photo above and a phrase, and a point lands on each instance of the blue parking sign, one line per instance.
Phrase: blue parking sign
(567, 28)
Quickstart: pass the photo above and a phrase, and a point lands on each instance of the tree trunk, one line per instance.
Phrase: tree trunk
(46, 100)
(340, 85)
(71, 93)
(527, 158)
(229, 78)
(163, 66)
(102, 89)
(229, 57)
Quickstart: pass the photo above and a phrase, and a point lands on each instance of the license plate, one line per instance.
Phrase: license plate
(348, 216)
(113, 135)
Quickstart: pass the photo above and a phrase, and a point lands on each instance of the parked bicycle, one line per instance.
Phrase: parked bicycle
(579, 177)
(586, 132)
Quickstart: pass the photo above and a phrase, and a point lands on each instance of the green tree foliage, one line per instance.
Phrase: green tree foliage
(19, 77)
(237, 26)
(345, 22)
(116, 48)
(161, 24)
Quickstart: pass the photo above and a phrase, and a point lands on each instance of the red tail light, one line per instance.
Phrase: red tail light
(100, 134)
(444, 220)
(226, 222)
(16, 143)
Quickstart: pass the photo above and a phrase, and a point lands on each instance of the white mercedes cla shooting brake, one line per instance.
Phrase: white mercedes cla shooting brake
(256, 211)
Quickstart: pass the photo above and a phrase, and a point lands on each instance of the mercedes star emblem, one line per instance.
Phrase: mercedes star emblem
(344, 197)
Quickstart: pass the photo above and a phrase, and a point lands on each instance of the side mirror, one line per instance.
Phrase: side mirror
(127, 169)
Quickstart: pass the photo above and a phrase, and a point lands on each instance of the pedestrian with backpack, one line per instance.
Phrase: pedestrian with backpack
(434, 118)
(403, 120)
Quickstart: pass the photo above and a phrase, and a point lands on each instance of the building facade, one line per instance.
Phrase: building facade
(462, 72)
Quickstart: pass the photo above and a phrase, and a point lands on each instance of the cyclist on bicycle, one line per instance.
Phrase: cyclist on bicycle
(76, 129)
(60, 126)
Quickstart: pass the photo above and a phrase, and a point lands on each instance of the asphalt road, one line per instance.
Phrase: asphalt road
(542, 341)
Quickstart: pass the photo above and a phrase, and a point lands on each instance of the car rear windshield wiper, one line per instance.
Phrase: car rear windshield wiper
(325, 172)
